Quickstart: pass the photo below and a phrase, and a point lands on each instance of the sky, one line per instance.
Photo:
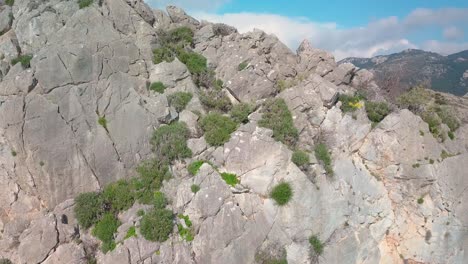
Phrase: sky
(363, 28)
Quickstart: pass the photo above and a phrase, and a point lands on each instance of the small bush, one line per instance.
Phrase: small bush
(451, 135)
(216, 100)
(181, 35)
(160, 200)
(431, 161)
(416, 165)
(282, 193)
(157, 225)
(119, 195)
(277, 117)
(158, 87)
(300, 158)
(179, 100)
(218, 84)
(131, 232)
(84, 3)
(195, 62)
(350, 103)
(25, 60)
(103, 122)
(170, 142)
(230, 179)
(141, 212)
(444, 154)
(316, 244)
(242, 65)
(10, 2)
(433, 121)
(195, 166)
(420, 200)
(218, 128)
(163, 54)
(377, 111)
(13, 153)
(5, 261)
(152, 174)
(41, 163)
(195, 188)
(105, 229)
(322, 154)
(185, 233)
(414, 99)
(88, 208)
(447, 117)
(240, 112)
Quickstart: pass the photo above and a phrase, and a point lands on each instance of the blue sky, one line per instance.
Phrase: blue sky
(345, 28)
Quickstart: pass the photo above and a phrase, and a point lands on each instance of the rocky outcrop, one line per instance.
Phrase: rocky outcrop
(82, 117)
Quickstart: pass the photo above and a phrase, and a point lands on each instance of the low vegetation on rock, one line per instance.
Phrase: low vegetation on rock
(240, 112)
(316, 244)
(185, 233)
(131, 232)
(103, 122)
(105, 229)
(179, 100)
(322, 154)
(217, 128)
(277, 117)
(433, 109)
(194, 167)
(350, 103)
(377, 111)
(84, 3)
(158, 87)
(300, 158)
(157, 225)
(282, 193)
(25, 60)
(88, 209)
(242, 65)
(230, 178)
(159, 200)
(119, 196)
(215, 100)
(170, 142)
(195, 188)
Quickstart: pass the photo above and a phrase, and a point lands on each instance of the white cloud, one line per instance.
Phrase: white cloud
(453, 33)
(444, 48)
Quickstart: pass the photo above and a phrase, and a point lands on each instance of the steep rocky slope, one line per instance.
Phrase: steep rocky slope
(80, 115)
(447, 74)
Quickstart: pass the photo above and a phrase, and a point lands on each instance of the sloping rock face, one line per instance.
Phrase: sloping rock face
(82, 116)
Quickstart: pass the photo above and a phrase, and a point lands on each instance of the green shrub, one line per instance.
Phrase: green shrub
(451, 135)
(322, 154)
(218, 128)
(271, 256)
(181, 35)
(158, 87)
(433, 121)
(157, 225)
(300, 158)
(447, 117)
(420, 200)
(242, 65)
(141, 212)
(240, 112)
(119, 195)
(131, 232)
(170, 142)
(195, 188)
(10, 2)
(25, 60)
(103, 122)
(282, 193)
(414, 99)
(230, 179)
(350, 103)
(195, 166)
(185, 233)
(88, 208)
(13, 153)
(216, 100)
(152, 174)
(105, 229)
(160, 200)
(163, 54)
(416, 165)
(179, 100)
(377, 111)
(431, 161)
(316, 244)
(84, 3)
(277, 117)
(218, 84)
(195, 62)
(41, 163)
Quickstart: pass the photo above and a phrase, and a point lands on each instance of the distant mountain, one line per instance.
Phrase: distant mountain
(400, 71)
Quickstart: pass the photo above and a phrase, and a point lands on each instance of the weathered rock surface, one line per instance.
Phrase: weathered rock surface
(96, 63)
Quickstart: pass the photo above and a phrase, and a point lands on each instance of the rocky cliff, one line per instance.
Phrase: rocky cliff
(83, 87)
